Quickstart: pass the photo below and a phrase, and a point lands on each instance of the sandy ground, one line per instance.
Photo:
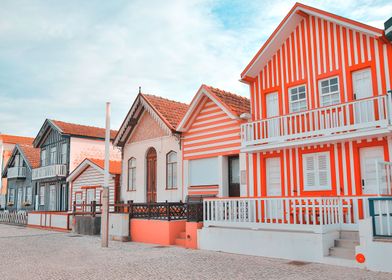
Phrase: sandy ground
(37, 254)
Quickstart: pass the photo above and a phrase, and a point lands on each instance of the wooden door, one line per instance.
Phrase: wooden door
(368, 158)
(151, 175)
(234, 176)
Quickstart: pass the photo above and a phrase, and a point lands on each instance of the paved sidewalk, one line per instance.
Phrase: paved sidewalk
(37, 254)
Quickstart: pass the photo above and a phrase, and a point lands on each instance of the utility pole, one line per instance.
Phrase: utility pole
(105, 193)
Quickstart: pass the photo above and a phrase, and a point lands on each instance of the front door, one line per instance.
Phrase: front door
(368, 157)
(274, 207)
(234, 176)
(52, 197)
(151, 175)
(90, 197)
(272, 110)
(362, 88)
(20, 197)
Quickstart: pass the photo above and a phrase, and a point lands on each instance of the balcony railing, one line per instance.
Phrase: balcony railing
(57, 170)
(16, 172)
(316, 214)
(336, 119)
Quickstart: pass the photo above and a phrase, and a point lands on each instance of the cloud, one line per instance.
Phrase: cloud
(63, 60)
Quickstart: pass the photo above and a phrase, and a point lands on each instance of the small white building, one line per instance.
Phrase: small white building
(86, 182)
(151, 150)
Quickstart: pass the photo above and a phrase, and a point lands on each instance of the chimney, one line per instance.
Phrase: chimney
(388, 29)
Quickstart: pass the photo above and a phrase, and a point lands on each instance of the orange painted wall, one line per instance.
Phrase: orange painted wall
(156, 232)
(191, 234)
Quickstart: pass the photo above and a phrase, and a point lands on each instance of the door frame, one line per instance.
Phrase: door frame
(229, 174)
(266, 175)
(150, 150)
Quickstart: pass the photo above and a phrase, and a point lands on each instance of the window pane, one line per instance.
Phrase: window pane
(324, 83)
(334, 88)
(334, 81)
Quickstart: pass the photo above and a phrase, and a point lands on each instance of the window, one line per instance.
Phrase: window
(42, 195)
(297, 99)
(329, 91)
(43, 157)
(171, 170)
(18, 161)
(317, 173)
(28, 195)
(204, 172)
(132, 174)
(53, 155)
(11, 196)
(63, 153)
(52, 197)
(78, 199)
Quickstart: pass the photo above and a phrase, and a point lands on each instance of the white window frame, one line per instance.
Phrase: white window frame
(28, 195)
(131, 184)
(63, 155)
(53, 152)
(171, 171)
(42, 195)
(43, 157)
(298, 100)
(317, 171)
(329, 94)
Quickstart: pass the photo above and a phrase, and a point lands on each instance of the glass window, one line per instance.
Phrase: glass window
(28, 195)
(78, 199)
(43, 157)
(42, 195)
(329, 91)
(317, 173)
(171, 170)
(64, 153)
(132, 174)
(53, 155)
(298, 99)
(11, 196)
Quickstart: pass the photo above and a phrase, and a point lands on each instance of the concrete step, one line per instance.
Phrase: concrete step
(182, 235)
(346, 243)
(347, 234)
(344, 253)
(180, 242)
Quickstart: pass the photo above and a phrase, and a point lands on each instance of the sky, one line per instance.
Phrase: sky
(64, 59)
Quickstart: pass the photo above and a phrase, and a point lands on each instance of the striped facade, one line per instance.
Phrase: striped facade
(317, 46)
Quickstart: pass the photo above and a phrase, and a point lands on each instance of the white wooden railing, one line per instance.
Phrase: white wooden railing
(16, 172)
(317, 214)
(381, 212)
(57, 170)
(343, 117)
(18, 218)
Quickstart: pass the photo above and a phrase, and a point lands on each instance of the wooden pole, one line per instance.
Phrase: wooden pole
(105, 192)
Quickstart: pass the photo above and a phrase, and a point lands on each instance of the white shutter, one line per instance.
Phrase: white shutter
(317, 171)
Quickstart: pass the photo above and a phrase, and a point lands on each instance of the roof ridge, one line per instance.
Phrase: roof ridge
(227, 92)
(160, 97)
(85, 125)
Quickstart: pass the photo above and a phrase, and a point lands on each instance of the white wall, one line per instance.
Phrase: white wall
(138, 150)
(82, 148)
(378, 253)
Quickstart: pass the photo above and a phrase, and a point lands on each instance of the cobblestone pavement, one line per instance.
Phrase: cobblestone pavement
(37, 254)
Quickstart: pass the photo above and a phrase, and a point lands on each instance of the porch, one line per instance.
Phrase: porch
(364, 117)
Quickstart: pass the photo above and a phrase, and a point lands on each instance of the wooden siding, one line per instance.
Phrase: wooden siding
(318, 49)
(211, 133)
(55, 139)
(344, 166)
(88, 178)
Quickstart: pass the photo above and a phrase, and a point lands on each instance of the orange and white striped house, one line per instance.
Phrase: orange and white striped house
(319, 142)
(211, 143)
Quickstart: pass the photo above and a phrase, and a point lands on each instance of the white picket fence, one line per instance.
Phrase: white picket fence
(18, 218)
(317, 214)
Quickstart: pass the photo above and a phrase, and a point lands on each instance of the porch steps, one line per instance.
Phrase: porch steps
(181, 239)
(345, 245)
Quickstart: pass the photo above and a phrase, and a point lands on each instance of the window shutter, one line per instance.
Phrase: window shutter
(323, 167)
(309, 168)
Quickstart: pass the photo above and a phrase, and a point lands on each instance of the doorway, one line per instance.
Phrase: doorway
(368, 158)
(362, 88)
(151, 175)
(234, 176)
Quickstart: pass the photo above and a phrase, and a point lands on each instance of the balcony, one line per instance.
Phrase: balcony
(16, 172)
(365, 117)
(50, 171)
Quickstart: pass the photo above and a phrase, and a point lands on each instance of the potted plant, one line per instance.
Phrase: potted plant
(10, 204)
(27, 203)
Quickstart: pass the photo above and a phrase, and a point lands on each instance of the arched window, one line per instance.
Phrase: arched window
(171, 170)
(131, 174)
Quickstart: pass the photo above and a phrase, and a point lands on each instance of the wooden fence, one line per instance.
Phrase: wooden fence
(17, 218)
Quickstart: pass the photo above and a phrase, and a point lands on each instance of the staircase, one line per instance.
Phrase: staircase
(345, 245)
(181, 239)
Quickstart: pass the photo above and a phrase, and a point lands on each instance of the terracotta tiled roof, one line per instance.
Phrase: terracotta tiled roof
(114, 166)
(171, 111)
(238, 104)
(32, 154)
(13, 139)
(82, 130)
